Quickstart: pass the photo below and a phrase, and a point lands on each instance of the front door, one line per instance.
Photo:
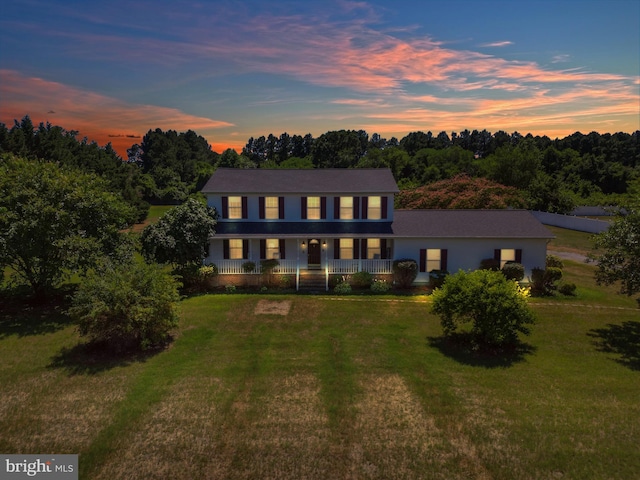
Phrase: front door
(313, 255)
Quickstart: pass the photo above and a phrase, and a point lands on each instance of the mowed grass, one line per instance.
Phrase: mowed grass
(351, 387)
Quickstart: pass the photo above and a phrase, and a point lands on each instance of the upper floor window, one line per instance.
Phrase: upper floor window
(374, 208)
(346, 208)
(313, 208)
(271, 208)
(234, 207)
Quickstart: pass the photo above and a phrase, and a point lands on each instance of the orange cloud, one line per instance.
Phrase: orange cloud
(99, 118)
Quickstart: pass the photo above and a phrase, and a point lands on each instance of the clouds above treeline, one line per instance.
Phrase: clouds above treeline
(226, 69)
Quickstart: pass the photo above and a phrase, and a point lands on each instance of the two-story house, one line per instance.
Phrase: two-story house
(341, 221)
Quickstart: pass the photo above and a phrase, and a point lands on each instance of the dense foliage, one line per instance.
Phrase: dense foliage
(550, 175)
(181, 236)
(132, 306)
(60, 146)
(620, 257)
(55, 222)
(496, 307)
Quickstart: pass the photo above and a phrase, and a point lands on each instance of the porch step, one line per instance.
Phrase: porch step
(312, 282)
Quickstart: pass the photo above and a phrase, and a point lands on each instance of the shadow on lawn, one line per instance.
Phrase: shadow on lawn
(24, 316)
(93, 358)
(462, 348)
(623, 340)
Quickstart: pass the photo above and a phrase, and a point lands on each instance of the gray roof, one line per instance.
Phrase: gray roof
(306, 181)
(237, 229)
(467, 224)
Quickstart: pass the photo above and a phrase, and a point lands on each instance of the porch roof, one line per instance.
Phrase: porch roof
(302, 229)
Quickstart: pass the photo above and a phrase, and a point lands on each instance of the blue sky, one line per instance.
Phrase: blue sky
(234, 69)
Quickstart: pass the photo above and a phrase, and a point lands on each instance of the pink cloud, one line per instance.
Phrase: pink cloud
(100, 118)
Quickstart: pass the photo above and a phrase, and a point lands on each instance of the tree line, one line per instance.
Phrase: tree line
(168, 167)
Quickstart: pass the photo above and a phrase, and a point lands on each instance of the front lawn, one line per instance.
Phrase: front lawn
(349, 387)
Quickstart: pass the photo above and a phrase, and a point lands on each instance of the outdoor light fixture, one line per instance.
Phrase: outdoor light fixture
(324, 244)
(303, 244)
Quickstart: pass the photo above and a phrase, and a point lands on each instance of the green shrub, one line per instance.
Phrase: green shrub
(248, 267)
(380, 286)
(513, 271)
(267, 266)
(497, 307)
(437, 277)
(405, 272)
(127, 307)
(544, 281)
(568, 289)
(229, 288)
(343, 288)
(554, 261)
(490, 264)
(361, 280)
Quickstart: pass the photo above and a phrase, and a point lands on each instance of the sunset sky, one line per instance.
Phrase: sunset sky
(231, 70)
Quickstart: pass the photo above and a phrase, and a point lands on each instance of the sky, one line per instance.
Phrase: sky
(230, 70)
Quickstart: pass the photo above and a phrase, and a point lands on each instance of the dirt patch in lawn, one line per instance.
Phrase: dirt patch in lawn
(271, 307)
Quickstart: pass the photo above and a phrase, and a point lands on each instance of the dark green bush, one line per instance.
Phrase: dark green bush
(405, 272)
(490, 264)
(437, 278)
(513, 271)
(544, 281)
(554, 261)
(568, 289)
(361, 280)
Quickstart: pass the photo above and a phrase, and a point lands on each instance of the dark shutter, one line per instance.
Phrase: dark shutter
(281, 208)
(356, 248)
(423, 259)
(496, 254)
(365, 208)
(336, 249)
(323, 207)
(303, 208)
(363, 248)
(245, 249)
(383, 248)
(356, 207)
(245, 209)
(261, 208)
(282, 253)
(443, 259)
(383, 204)
(336, 208)
(263, 249)
(518, 255)
(225, 249)
(225, 207)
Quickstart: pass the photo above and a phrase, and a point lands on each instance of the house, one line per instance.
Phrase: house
(341, 221)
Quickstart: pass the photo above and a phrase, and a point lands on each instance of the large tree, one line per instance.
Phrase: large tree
(181, 236)
(620, 257)
(55, 222)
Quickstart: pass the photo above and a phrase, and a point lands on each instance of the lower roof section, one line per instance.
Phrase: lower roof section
(406, 224)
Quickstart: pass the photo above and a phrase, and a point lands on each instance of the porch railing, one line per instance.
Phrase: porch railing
(354, 266)
(234, 267)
